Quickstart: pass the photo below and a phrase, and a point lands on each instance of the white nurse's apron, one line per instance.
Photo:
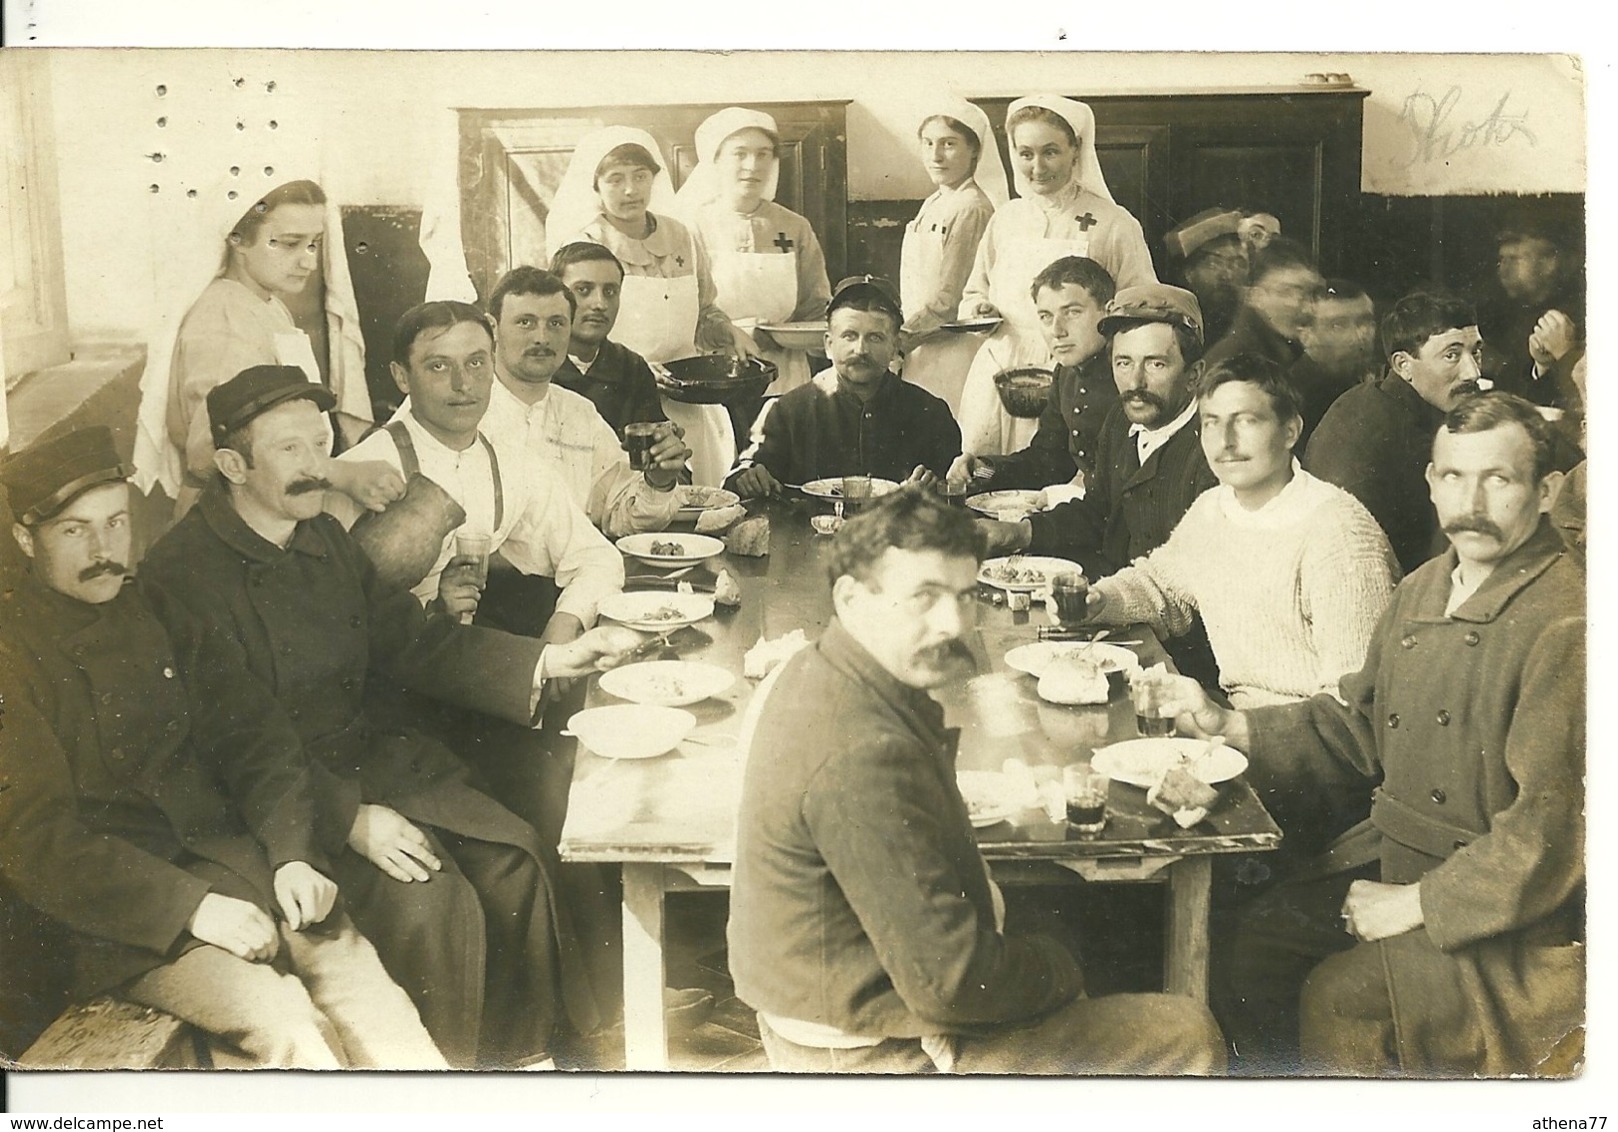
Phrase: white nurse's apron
(657, 318)
(986, 428)
(757, 288)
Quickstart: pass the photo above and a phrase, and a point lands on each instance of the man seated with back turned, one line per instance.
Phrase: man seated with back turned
(1447, 930)
(864, 926)
(257, 570)
(112, 823)
(533, 314)
(856, 418)
(1070, 297)
(1376, 439)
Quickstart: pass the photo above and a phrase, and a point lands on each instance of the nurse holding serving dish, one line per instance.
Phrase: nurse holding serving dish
(767, 264)
(941, 243)
(1063, 209)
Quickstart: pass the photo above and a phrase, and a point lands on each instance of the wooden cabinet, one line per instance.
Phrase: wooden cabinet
(511, 162)
(1293, 152)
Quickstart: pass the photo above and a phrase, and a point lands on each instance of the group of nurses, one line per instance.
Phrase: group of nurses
(738, 261)
(1063, 209)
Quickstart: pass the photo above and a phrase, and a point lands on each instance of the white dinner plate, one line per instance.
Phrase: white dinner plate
(832, 488)
(990, 796)
(995, 503)
(656, 612)
(631, 731)
(1034, 658)
(1033, 572)
(695, 499)
(1141, 762)
(686, 548)
(667, 683)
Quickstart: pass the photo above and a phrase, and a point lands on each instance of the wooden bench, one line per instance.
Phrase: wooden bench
(108, 1033)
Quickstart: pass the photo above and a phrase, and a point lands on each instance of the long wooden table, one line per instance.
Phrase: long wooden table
(670, 822)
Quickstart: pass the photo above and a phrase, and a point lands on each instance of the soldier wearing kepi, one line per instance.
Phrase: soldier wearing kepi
(257, 567)
(110, 824)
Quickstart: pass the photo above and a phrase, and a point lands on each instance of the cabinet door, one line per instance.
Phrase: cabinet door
(1297, 158)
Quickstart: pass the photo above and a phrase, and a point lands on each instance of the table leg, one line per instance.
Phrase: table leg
(1185, 961)
(645, 1035)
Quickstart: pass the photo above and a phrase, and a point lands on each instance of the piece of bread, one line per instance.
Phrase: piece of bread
(1073, 680)
(1182, 795)
(750, 537)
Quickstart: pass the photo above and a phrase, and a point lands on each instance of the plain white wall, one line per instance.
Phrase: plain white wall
(372, 122)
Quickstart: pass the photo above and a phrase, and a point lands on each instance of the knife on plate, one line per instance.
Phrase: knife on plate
(687, 635)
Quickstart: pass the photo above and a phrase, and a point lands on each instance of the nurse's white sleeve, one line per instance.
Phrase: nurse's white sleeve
(814, 288)
(713, 324)
(554, 538)
(977, 283)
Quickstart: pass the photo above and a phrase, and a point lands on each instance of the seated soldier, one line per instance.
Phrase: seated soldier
(560, 429)
(1288, 573)
(1532, 314)
(444, 362)
(1340, 350)
(1443, 937)
(110, 824)
(857, 418)
(1070, 297)
(257, 569)
(1376, 439)
(864, 926)
(615, 379)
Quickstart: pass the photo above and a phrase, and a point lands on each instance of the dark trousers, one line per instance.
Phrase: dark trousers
(1263, 952)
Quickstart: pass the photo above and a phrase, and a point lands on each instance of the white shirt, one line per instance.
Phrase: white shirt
(572, 444)
(541, 530)
(1149, 440)
(1459, 591)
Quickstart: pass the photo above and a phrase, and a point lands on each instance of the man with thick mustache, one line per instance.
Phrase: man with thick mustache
(258, 574)
(1460, 900)
(856, 418)
(112, 824)
(865, 928)
(1149, 461)
(533, 312)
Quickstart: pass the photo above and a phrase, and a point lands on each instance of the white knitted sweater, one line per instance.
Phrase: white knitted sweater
(1289, 593)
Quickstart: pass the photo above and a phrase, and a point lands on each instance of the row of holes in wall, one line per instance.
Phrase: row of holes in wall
(235, 170)
(241, 124)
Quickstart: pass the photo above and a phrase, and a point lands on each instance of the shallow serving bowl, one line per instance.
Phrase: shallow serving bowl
(631, 731)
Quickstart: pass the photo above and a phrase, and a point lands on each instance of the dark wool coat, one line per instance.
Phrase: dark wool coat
(1471, 730)
(108, 823)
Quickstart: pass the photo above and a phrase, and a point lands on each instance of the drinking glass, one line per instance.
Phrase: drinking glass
(1069, 592)
(1085, 789)
(639, 436)
(856, 493)
(1147, 696)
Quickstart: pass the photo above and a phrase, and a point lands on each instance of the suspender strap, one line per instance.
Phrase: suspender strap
(410, 464)
(494, 473)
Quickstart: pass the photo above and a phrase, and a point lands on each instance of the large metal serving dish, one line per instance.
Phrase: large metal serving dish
(713, 379)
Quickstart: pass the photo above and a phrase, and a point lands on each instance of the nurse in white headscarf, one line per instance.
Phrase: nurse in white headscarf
(767, 264)
(959, 153)
(244, 254)
(617, 193)
(1063, 209)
